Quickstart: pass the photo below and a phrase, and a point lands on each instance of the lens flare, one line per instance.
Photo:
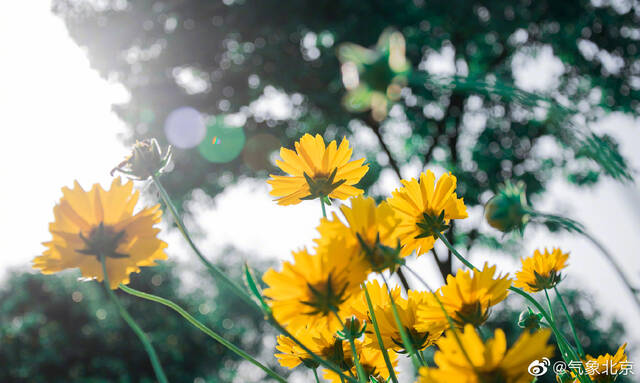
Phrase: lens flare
(185, 128)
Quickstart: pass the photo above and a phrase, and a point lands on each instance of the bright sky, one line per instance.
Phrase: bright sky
(57, 126)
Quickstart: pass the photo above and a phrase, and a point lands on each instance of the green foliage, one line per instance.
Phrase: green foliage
(58, 329)
(243, 48)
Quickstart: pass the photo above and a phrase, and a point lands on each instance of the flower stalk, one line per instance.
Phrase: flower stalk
(406, 341)
(200, 326)
(376, 329)
(573, 329)
(148, 347)
(213, 270)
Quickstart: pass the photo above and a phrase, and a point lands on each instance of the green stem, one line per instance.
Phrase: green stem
(315, 374)
(148, 347)
(559, 337)
(403, 334)
(573, 329)
(362, 376)
(204, 329)
(454, 251)
(546, 294)
(324, 210)
(376, 329)
(612, 261)
(213, 270)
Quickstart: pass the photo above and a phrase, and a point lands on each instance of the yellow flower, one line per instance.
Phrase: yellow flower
(467, 298)
(372, 362)
(320, 341)
(99, 223)
(425, 208)
(422, 333)
(317, 171)
(605, 368)
(542, 271)
(369, 227)
(307, 291)
(488, 361)
(379, 296)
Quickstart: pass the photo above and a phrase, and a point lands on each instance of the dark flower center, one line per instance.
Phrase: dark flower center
(472, 313)
(322, 185)
(325, 297)
(103, 241)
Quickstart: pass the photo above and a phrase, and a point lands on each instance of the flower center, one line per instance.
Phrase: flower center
(103, 241)
(431, 225)
(325, 297)
(472, 313)
(495, 376)
(545, 281)
(419, 340)
(321, 185)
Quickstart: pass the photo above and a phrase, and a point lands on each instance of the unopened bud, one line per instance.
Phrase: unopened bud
(508, 210)
(529, 320)
(146, 160)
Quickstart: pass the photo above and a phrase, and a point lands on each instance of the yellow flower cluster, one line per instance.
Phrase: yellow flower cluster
(321, 290)
(326, 301)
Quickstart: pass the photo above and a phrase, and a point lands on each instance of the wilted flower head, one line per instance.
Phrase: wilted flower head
(146, 160)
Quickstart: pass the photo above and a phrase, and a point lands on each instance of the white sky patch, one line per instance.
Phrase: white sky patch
(537, 69)
(57, 125)
(439, 63)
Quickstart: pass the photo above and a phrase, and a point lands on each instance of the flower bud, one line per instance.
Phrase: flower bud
(529, 320)
(353, 329)
(508, 210)
(146, 160)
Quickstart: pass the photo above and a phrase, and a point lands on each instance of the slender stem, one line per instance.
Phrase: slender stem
(315, 374)
(213, 270)
(148, 347)
(362, 376)
(376, 329)
(403, 333)
(454, 251)
(610, 258)
(573, 328)
(328, 364)
(546, 294)
(204, 329)
(403, 280)
(324, 210)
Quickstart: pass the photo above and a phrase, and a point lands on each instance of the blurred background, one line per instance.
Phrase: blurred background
(229, 82)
